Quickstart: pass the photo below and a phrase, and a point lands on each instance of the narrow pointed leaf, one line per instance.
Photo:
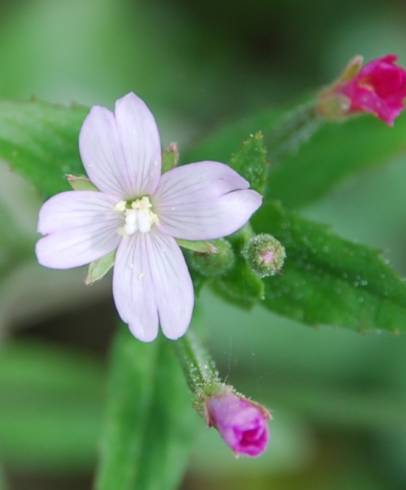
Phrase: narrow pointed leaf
(149, 422)
(335, 153)
(329, 280)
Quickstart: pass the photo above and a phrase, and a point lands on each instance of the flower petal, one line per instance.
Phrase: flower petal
(151, 280)
(204, 201)
(172, 284)
(77, 208)
(74, 247)
(102, 154)
(133, 288)
(141, 145)
(121, 152)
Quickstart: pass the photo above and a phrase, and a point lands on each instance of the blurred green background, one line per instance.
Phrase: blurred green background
(338, 398)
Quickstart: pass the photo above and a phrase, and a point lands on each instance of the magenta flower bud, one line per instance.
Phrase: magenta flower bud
(242, 423)
(379, 88)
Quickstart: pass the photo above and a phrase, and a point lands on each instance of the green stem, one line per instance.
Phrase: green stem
(294, 129)
(198, 366)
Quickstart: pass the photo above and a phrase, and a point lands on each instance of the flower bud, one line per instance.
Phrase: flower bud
(265, 254)
(214, 263)
(379, 88)
(242, 424)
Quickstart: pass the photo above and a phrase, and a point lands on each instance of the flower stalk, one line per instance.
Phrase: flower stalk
(295, 128)
(198, 366)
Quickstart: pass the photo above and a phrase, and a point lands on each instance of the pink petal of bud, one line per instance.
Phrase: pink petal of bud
(242, 423)
(378, 88)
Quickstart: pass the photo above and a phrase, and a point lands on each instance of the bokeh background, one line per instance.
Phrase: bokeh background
(338, 398)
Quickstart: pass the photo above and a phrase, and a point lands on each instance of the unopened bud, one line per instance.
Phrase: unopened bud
(216, 262)
(378, 88)
(242, 423)
(264, 254)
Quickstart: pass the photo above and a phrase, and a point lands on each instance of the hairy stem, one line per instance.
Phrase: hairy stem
(294, 129)
(198, 366)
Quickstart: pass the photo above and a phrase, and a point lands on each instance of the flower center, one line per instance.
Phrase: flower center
(138, 215)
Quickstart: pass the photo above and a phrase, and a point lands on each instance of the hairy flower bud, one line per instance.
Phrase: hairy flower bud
(265, 254)
(214, 263)
(242, 423)
(379, 88)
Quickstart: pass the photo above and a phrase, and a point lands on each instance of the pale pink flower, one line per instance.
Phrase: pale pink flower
(378, 88)
(140, 212)
(242, 424)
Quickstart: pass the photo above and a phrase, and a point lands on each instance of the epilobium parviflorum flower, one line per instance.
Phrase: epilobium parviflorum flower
(140, 213)
(242, 423)
(379, 88)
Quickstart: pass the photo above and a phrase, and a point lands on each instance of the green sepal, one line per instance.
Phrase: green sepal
(203, 247)
(170, 157)
(251, 161)
(352, 69)
(213, 264)
(99, 268)
(80, 183)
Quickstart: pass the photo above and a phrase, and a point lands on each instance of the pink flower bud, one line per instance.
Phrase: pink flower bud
(379, 88)
(242, 423)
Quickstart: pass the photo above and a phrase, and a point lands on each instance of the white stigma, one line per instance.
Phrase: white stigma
(138, 215)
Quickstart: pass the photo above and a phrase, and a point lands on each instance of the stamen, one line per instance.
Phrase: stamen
(138, 215)
(120, 206)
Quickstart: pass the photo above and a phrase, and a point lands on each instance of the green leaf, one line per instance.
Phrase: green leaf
(250, 162)
(40, 141)
(149, 422)
(336, 152)
(328, 280)
(50, 407)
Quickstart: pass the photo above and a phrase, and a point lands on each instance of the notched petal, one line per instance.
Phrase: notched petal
(204, 201)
